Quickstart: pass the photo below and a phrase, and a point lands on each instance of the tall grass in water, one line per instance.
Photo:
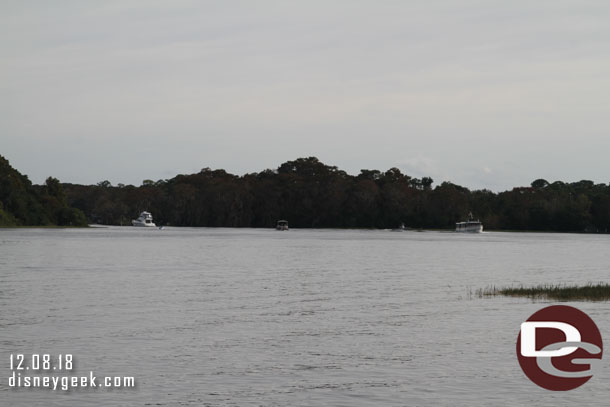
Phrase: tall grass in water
(590, 292)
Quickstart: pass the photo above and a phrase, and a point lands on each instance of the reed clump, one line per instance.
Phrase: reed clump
(590, 292)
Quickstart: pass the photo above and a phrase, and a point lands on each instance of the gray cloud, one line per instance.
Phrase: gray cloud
(132, 90)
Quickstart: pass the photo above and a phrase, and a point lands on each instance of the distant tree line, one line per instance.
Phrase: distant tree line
(23, 204)
(308, 194)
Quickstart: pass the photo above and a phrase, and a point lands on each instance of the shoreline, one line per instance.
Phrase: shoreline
(45, 227)
(101, 226)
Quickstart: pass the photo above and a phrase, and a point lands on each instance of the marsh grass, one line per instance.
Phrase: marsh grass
(589, 292)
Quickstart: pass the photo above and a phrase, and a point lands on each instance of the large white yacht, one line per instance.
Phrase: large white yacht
(145, 219)
(471, 225)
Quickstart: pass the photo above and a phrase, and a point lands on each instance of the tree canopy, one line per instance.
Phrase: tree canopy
(309, 193)
(23, 204)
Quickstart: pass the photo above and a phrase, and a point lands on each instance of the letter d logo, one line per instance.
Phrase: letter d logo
(528, 338)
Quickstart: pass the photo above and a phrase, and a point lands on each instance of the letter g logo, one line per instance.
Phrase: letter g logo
(559, 347)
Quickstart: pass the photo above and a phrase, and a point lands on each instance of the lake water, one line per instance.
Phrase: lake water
(252, 317)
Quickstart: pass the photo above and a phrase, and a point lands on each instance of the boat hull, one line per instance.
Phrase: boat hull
(469, 229)
(142, 224)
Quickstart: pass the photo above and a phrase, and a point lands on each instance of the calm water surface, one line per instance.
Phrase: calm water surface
(246, 317)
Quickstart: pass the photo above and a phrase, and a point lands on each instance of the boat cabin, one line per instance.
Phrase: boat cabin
(145, 219)
(471, 225)
(282, 225)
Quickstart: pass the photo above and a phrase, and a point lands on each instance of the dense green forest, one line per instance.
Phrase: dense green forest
(22, 204)
(307, 193)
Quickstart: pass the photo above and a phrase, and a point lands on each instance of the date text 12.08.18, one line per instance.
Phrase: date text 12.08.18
(44, 361)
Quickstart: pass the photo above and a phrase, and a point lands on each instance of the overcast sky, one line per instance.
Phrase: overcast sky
(482, 93)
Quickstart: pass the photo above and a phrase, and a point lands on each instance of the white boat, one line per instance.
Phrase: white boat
(282, 225)
(470, 226)
(145, 219)
(400, 228)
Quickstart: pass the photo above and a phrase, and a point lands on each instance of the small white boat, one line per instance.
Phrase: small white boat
(145, 219)
(400, 228)
(470, 226)
(282, 225)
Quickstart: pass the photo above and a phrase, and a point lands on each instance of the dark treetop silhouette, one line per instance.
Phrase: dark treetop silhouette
(307, 193)
(21, 203)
